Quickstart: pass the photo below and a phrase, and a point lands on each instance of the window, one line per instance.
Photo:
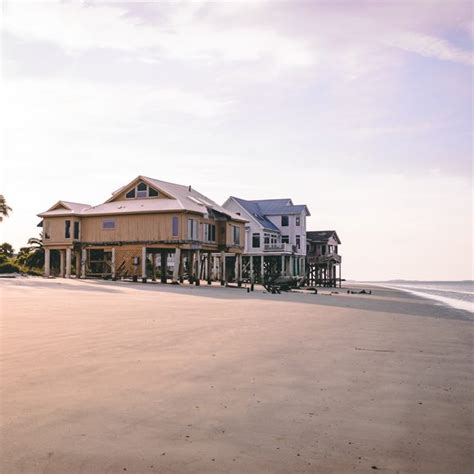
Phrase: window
(192, 229)
(46, 229)
(175, 226)
(76, 230)
(266, 238)
(236, 235)
(67, 229)
(284, 221)
(108, 224)
(255, 241)
(298, 221)
(209, 232)
(142, 190)
(285, 239)
(298, 242)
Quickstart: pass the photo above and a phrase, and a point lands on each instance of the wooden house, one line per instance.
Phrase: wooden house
(146, 227)
(323, 258)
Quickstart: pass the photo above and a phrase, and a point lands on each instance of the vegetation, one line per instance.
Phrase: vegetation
(29, 260)
(4, 207)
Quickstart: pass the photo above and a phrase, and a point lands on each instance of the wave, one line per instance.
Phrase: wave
(454, 303)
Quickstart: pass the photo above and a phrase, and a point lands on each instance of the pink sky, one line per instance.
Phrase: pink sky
(361, 110)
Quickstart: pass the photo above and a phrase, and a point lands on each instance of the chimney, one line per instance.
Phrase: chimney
(189, 188)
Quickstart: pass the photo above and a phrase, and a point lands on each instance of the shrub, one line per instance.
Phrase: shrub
(9, 268)
(34, 272)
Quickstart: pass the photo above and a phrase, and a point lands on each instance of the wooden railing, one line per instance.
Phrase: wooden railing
(278, 247)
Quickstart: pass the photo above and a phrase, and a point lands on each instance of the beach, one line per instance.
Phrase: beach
(108, 377)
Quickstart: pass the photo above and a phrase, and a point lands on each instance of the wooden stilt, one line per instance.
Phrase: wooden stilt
(47, 262)
(164, 266)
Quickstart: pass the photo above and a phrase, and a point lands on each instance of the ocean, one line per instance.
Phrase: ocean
(457, 294)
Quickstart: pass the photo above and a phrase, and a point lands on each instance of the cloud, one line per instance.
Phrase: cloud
(177, 33)
(67, 105)
(429, 46)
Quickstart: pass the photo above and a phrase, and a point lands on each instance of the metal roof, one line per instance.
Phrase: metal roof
(322, 235)
(181, 198)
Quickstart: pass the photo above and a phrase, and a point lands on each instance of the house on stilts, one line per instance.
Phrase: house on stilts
(147, 229)
(323, 258)
(275, 236)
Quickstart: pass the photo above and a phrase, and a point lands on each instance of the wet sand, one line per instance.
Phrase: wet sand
(103, 377)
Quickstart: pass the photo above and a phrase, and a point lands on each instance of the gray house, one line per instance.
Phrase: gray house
(275, 235)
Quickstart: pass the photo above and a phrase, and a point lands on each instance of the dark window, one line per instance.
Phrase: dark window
(285, 239)
(298, 221)
(236, 235)
(130, 194)
(108, 224)
(266, 238)
(67, 229)
(255, 241)
(142, 190)
(284, 221)
(298, 241)
(152, 192)
(175, 226)
(76, 230)
(212, 232)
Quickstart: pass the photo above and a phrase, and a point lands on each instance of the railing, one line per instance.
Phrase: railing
(334, 257)
(278, 247)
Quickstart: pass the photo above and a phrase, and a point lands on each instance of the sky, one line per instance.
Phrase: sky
(362, 110)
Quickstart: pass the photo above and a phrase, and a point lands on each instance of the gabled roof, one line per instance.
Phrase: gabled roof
(261, 208)
(62, 208)
(179, 198)
(254, 210)
(322, 236)
(277, 207)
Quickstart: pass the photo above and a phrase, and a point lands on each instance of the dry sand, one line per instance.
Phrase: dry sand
(102, 377)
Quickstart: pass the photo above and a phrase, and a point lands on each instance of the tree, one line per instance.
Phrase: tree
(4, 207)
(6, 250)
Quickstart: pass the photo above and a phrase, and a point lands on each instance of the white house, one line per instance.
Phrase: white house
(275, 235)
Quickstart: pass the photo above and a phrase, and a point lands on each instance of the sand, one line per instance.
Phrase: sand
(104, 377)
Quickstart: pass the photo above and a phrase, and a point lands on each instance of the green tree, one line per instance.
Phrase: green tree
(4, 207)
(6, 250)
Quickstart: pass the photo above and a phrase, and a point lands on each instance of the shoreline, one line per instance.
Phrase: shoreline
(450, 302)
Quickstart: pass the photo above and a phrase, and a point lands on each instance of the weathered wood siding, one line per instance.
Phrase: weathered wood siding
(133, 228)
(55, 227)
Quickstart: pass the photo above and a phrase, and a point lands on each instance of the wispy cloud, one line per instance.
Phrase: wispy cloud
(78, 27)
(429, 46)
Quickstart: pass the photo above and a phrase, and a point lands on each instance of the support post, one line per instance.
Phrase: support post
(177, 263)
(223, 269)
(251, 270)
(238, 260)
(112, 264)
(164, 266)
(282, 265)
(61, 263)
(144, 264)
(83, 262)
(47, 262)
(209, 268)
(68, 263)
(340, 275)
(262, 268)
(198, 268)
(77, 256)
(214, 268)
